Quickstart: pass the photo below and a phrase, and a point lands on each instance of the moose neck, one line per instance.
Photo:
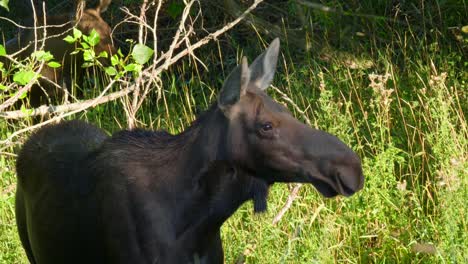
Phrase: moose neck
(204, 142)
(209, 142)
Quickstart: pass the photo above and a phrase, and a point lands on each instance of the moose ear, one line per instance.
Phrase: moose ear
(263, 68)
(234, 86)
(103, 4)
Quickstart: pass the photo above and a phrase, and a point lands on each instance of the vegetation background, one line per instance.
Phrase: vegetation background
(387, 77)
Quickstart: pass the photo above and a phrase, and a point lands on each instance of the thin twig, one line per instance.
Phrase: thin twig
(292, 196)
(290, 101)
(142, 18)
(132, 108)
(155, 27)
(168, 55)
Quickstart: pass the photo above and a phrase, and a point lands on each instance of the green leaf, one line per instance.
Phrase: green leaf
(23, 77)
(3, 87)
(4, 4)
(141, 53)
(87, 65)
(23, 95)
(103, 54)
(114, 60)
(133, 67)
(70, 39)
(465, 29)
(48, 56)
(130, 67)
(2, 50)
(138, 68)
(120, 53)
(77, 33)
(74, 52)
(54, 64)
(25, 110)
(38, 54)
(175, 9)
(41, 55)
(88, 55)
(94, 38)
(85, 45)
(111, 71)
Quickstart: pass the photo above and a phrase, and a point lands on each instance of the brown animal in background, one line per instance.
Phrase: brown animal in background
(85, 198)
(51, 86)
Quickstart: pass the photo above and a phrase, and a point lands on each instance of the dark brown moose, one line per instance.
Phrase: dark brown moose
(53, 81)
(140, 196)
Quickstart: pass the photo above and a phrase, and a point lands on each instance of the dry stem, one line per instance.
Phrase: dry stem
(292, 196)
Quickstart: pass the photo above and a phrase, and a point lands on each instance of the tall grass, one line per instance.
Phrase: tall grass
(411, 133)
(401, 105)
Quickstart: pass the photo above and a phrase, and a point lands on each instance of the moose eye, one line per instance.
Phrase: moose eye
(265, 127)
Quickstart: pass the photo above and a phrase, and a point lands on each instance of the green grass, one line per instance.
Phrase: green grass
(397, 96)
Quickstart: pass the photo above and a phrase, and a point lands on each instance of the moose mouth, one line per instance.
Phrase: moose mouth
(323, 187)
(331, 190)
(330, 186)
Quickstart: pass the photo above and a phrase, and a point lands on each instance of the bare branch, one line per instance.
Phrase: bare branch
(291, 102)
(51, 109)
(292, 196)
(142, 18)
(76, 109)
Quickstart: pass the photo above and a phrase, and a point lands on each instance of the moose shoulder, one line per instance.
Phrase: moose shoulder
(135, 196)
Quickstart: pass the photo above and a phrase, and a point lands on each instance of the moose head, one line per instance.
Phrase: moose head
(266, 138)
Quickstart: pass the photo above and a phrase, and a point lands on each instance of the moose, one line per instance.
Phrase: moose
(53, 81)
(222, 188)
(143, 196)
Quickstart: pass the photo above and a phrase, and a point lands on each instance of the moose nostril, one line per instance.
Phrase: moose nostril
(350, 178)
(344, 189)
